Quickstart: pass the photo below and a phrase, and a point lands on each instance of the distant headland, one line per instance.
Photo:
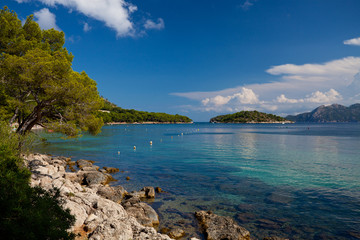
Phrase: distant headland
(332, 113)
(112, 114)
(249, 117)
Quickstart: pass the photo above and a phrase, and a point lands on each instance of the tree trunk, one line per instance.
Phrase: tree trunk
(14, 116)
(30, 121)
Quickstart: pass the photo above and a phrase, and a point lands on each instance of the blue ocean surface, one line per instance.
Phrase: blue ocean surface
(299, 181)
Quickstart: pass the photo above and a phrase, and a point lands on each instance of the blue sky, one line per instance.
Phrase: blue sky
(202, 58)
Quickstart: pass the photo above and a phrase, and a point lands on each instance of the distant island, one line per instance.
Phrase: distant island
(249, 117)
(110, 113)
(332, 113)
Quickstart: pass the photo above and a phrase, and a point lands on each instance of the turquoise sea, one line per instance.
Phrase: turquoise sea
(300, 181)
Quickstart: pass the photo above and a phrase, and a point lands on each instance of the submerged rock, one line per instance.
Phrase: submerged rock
(176, 233)
(218, 227)
(111, 169)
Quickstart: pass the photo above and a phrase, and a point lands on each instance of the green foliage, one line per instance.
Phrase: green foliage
(27, 213)
(118, 114)
(247, 117)
(38, 85)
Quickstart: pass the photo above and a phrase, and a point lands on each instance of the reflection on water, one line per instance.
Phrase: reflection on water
(296, 181)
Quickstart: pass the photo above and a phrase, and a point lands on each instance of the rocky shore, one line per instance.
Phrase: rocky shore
(110, 212)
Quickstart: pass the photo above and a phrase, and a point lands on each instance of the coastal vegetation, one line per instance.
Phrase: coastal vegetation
(332, 113)
(27, 212)
(248, 117)
(38, 85)
(112, 113)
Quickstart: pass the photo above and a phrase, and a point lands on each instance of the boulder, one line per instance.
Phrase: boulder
(95, 204)
(115, 194)
(112, 228)
(145, 233)
(84, 163)
(149, 192)
(143, 213)
(91, 178)
(134, 194)
(219, 227)
(93, 168)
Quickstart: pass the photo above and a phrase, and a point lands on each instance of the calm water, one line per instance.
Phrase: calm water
(299, 181)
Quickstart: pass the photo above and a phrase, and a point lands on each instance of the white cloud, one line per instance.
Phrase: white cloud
(46, 19)
(327, 97)
(87, 27)
(353, 41)
(299, 88)
(346, 66)
(247, 4)
(283, 99)
(149, 24)
(114, 13)
(219, 103)
(316, 97)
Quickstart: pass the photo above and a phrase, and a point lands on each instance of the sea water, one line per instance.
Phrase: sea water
(299, 181)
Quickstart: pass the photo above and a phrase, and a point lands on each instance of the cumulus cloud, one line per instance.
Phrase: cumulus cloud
(115, 14)
(353, 41)
(149, 24)
(244, 97)
(316, 97)
(299, 88)
(46, 19)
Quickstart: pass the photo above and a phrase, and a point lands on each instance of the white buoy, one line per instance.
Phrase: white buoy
(182, 134)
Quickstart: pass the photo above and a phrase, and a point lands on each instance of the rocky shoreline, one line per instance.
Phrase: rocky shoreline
(110, 212)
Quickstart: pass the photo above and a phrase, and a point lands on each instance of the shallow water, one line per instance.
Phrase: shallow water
(300, 181)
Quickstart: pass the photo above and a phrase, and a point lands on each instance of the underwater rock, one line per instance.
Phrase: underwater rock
(176, 233)
(111, 169)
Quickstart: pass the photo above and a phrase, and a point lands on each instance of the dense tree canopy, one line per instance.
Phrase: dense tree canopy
(247, 117)
(113, 113)
(37, 83)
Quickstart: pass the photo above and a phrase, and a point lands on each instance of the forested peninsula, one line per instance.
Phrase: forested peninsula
(249, 117)
(110, 113)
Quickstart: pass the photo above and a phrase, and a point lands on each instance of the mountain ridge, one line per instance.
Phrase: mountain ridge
(332, 113)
